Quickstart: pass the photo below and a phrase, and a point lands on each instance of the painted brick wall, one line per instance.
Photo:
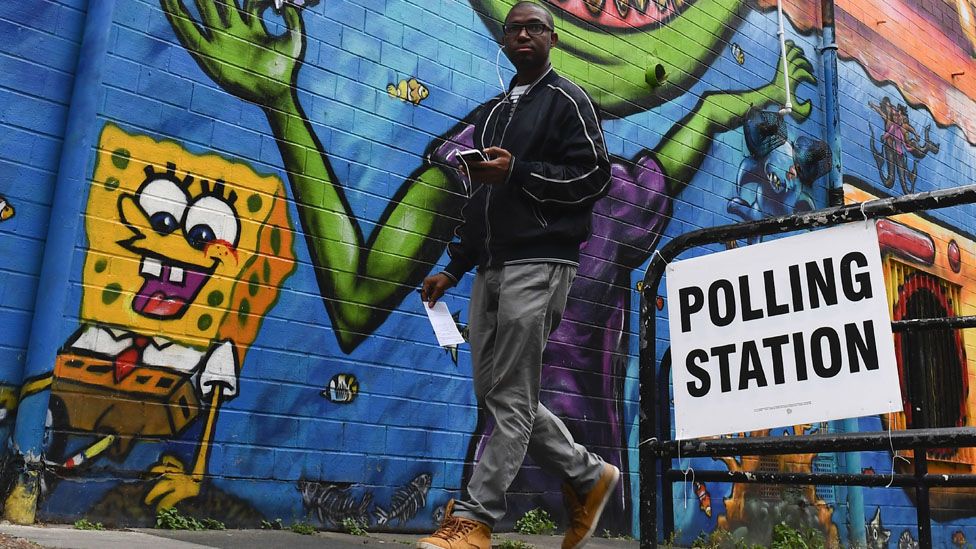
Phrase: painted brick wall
(37, 58)
(289, 360)
(907, 110)
(265, 331)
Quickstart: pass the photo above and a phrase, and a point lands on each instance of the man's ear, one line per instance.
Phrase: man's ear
(553, 39)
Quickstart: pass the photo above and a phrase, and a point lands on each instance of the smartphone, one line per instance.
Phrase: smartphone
(472, 155)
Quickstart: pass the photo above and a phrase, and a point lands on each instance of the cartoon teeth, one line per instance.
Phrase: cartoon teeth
(597, 7)
(151, 266)
(168, 289)
(154, 268)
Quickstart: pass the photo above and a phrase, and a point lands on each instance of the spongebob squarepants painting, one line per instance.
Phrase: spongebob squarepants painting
(186, 255)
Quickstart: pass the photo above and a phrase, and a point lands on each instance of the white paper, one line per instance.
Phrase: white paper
(443, 324)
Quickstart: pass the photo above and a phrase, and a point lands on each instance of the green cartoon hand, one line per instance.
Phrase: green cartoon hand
(234, 48)
(681, 152)
(361, 279)
(800, 70)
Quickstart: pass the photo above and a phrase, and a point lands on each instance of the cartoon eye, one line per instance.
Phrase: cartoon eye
(164, 203)
(211, 219)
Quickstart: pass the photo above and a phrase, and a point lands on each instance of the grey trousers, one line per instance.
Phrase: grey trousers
(512, 312)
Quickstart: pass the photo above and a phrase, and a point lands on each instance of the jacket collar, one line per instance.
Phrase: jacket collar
(548, 75)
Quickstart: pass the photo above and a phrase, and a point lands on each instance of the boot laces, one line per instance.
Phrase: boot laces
(455, 528)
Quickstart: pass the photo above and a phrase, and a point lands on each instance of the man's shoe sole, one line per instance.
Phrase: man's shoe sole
(599, 511)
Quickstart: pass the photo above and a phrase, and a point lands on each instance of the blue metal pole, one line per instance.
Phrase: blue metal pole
(851, 462)
(828, 51)
(52, 292)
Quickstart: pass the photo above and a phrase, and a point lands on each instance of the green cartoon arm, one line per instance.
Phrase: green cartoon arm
(684, 147)
(360, 280)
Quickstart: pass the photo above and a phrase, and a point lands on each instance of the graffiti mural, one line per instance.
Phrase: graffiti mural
(899, 140)
(6, 209)
(407, 501)
(410, 91)
(751, 510)
(627, 225)
(877, 534)
(342, 388)
(332, 503)
(186, 256)
(777, 177)
(241, 328)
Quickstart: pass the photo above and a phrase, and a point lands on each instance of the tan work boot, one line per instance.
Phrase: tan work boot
(458, 533)
(585, 512)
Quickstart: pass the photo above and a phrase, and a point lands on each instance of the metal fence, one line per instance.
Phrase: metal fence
(657, 450)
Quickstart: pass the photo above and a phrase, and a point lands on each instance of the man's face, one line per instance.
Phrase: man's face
(524, 49)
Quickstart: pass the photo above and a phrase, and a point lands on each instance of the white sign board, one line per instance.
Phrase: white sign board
(785, 332)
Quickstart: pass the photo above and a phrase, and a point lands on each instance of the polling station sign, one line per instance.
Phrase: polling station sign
(790, 331)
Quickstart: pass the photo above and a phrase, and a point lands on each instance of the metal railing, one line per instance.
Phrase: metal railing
(657, 450)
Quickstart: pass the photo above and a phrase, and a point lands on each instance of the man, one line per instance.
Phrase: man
(528, 213)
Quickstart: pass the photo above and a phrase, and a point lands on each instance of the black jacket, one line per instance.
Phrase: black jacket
(559, 169)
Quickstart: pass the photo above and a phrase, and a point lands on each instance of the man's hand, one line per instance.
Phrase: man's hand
(434, 287)
(494, 171)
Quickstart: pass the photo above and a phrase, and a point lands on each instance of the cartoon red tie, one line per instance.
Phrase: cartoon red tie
(131, 356)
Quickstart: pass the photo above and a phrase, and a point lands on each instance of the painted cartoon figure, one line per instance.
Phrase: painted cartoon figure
(186, 254)
(412, 233)
(752, 514)
(777, 177)
(6, 209)
(898, 141)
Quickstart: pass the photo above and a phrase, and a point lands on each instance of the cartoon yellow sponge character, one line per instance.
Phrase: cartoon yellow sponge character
(186, 254)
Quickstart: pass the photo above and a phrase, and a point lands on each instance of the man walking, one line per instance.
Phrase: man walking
(528, 213)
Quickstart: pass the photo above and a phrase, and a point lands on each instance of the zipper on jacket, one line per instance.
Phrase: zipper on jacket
(488, 226)
(511, 116)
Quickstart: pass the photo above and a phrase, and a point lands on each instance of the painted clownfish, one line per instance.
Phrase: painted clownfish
(738, 53)
(704, 498)
(411, 91)
(6, 209)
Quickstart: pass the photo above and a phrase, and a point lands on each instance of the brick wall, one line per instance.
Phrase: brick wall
(37, 59)
(265, 196)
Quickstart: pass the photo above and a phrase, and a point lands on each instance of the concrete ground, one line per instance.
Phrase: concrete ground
(67, 537)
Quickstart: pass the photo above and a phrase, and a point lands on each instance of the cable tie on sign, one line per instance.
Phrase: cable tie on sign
(894, 454)
(684, 483)
(864, 214)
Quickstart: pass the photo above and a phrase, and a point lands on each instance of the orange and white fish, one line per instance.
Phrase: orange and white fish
(704, 498)
(738, 53)
(411, 91)
(958, 538)
(6, 209)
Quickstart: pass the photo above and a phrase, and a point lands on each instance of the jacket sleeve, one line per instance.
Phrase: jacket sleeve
(469, 237)
(581, 174)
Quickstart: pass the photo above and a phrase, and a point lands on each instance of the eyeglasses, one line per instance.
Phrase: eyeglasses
(534, 29)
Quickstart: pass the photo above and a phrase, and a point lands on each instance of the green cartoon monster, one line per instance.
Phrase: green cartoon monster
(362, 280)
